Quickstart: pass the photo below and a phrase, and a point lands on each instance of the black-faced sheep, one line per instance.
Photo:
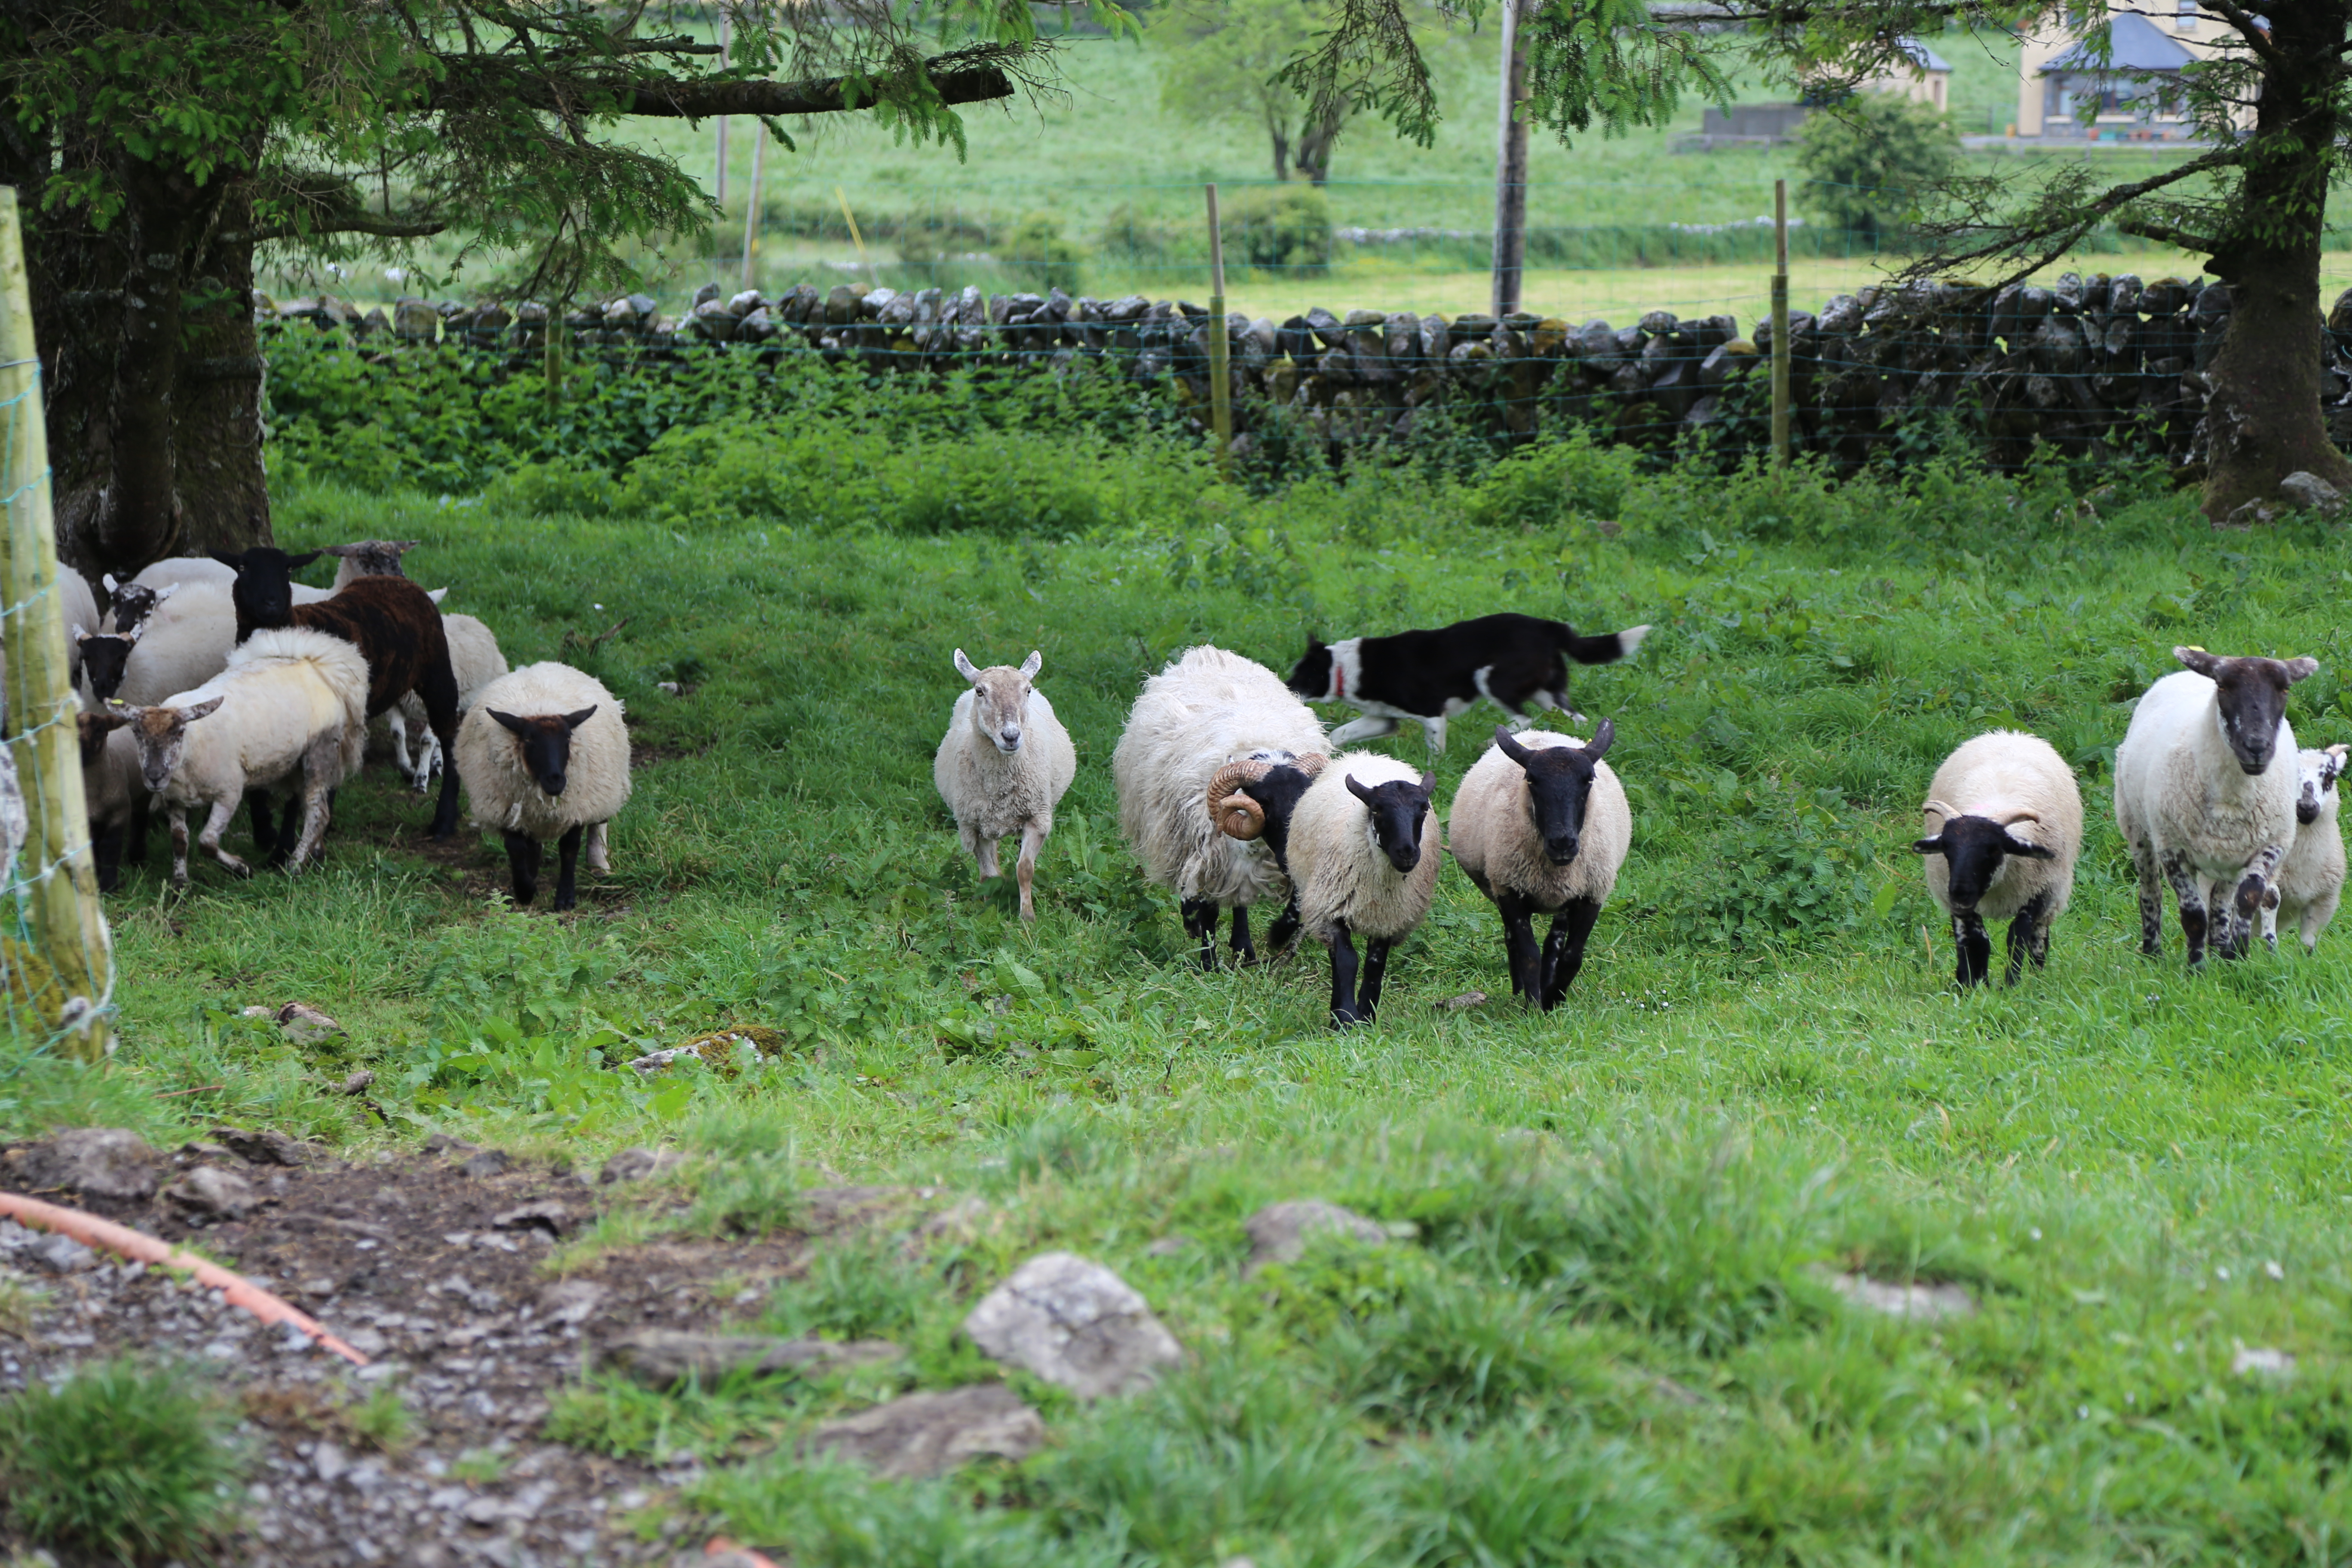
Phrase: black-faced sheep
(545, 755)
(1003, 765)
(1542, 826)
(1207, 709)
(2003, 826)
(2205, 788)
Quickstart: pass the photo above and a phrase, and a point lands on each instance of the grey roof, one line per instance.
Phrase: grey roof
(1926, 59)
(2138, 45)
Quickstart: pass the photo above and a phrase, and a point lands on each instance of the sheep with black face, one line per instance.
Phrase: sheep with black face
(1360, 843)
(1542, 826)
(2205, 790)
(2003, 826)
(544, 755)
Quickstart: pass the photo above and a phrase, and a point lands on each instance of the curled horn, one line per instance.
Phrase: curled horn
(1939, 808)
(1235, 814)
(2022, 814)
(1311, 764)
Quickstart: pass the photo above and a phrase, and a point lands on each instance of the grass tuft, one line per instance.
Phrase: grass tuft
(124, 1460)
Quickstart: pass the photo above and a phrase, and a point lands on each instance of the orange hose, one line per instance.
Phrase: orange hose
(720, 1546)
(238, 1291)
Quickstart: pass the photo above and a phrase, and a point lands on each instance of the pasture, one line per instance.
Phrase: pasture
(1614, 1338)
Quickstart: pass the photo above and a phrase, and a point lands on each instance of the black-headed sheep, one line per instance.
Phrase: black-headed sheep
(545, 755)
(2002, 829)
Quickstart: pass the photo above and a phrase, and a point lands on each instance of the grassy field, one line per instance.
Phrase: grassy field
(1614, 1342)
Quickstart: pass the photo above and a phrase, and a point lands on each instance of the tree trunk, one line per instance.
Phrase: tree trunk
(1316, 141)
(149, 365)
(1280, 135)
(2264, 420)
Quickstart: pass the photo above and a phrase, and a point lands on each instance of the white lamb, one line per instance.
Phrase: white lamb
(544, 753)
(1003, 766)
(1362, 853)
(192, 570)
(1542, 826)
(2003, 826)
(114, 794)
(2205, 787)
(2310, 881)
(1208, 708)
(183, 644)
(289, 701)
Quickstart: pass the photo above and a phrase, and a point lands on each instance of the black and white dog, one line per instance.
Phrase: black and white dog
(1430, 676)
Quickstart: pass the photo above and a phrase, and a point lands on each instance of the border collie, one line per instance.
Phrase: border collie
(1430, 676)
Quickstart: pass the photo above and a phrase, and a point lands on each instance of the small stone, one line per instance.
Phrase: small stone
(442, 1143)
(662, 1358)
(2253, 514)
(305, 1024)
(546, 1214)
(358, 1083)
(208, 1192)
(329, 1462)
(485, 1162)
(1926, 1304)
(639, 1164)
(2255, 1361)
(266, 1147)
(99, 1161)
(960, 1221)
(1075, 1323)
(1279, 1232)
(572, 1301)
(2309, 492)
(63, 1255)
(1168, 1247)
(926, 1433)
(1468, 999)
(483, 1511)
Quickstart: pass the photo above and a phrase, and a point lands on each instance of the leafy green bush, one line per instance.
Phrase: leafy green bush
(121, 1460)
(1544, 485)
(1871, 163)
(1284, 228)
(1037, 251)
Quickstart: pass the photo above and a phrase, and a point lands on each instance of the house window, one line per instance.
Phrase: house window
(2185, 18)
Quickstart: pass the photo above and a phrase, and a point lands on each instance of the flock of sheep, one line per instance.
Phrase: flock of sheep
(1228, 798)
(210, 682)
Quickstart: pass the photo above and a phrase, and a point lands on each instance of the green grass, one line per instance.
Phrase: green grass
(121, 1460)
(1613, 1339)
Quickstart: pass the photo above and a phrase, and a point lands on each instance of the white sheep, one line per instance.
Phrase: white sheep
(544, 753)
(289, 701)
(1003, 765)
(2310, 881)
(1207, 709)
(191, 570)
(476, 659)
(2002, 829)
(114, 796)
(1542, 826)
(2203, 798)
(184, 643)
(1361, 849)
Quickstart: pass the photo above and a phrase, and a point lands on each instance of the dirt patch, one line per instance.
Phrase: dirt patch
(438, 1268)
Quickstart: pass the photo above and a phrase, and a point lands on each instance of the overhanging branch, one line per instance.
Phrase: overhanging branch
(356, 223)
(2165, 234)
(953, 80)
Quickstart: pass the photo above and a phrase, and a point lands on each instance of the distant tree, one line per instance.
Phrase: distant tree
(1218, 62)
(1872, 162)
(159, 145)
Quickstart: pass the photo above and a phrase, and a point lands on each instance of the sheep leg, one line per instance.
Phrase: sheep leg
(2029, 936)
(265, 837)
(135, 844)
(1367, 989)
(2151, 900)
(1434, 731)
(983, 854)
(1975, 947)
(1024, 870)
(567, 863)
(317, 802)
(223, 812)
(1343, 978)
(1200, 917)
(2238, 935)
(398, 727)
(522, 859)
(1284, 932)
(437, 685)
(179, 814)
(1563, 955)
(594, 853)
(2270, 918)
(2189, 890)
(293, 828)
(1370, 727)
(1244, 950)
(106, 848)
(1519, 949)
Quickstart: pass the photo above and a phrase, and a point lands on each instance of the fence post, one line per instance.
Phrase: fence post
(752, 207)
(1220, 384)
(551, 356)
(55, 868)
(1781, 323)
(719, 191)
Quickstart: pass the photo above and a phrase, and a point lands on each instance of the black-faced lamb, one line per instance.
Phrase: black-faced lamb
(291, 700)
(1360, 845)
(2205, 788)
(2002, 829)
(1207, 709)
(545, 754)
(1542, 826)
(2310, 881)
(1003, 765)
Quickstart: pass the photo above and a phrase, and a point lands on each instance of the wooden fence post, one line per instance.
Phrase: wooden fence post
(55, 869)
(1781, 411)
(1221, 381)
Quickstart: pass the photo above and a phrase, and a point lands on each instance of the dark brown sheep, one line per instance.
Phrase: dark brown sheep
(394, 623)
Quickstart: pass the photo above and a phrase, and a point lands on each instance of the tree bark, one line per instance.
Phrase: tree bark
(1316, 140)
(2264, 420)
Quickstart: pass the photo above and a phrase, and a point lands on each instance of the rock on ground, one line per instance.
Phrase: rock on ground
(661, 1358)
(2310, 493)
(924, 1434)
(1929, 1303)
(100, 1162)
(210, 1193)
(1075, 1323)
(1279, 1232)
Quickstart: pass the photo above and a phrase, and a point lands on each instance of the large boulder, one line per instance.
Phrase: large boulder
(96, 1161)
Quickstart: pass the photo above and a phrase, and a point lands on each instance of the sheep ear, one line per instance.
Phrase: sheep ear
(964, 667)
(1356, 787)
(437, 595)
(403, 546)
(1510, 747)
(1031, 664)
(2300, 669)
(573, 720)
(234, 563)
(164, 593)
(1929, 846)
(296, 562)
(112, 717)
(1602, 738)
(1428, 783)
(338, 551)
(2198, 659)
(106, 580)
(2015, 845)
(520, 727)
(78, 635)
(202, 709)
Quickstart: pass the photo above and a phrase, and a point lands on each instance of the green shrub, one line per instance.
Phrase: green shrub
(121, 1460)
(1128, 236)
(1038, 251)
(1871, 163)
(1285, 228)
(1545, 484)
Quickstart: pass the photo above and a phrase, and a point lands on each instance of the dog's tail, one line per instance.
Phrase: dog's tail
(1606, 648)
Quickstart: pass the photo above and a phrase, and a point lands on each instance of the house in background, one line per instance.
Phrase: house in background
(1929, 79)
(2137, 92)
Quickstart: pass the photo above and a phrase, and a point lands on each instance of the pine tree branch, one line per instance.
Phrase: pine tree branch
(468, 86)
(356, 223)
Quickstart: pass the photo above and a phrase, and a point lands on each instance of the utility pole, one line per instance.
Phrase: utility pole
(1221, 382)
(1510, 169)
